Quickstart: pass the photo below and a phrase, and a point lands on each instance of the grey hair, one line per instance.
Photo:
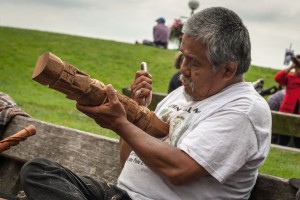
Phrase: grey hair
(224, 34)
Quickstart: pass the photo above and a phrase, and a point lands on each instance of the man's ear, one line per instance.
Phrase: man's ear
(229, 69)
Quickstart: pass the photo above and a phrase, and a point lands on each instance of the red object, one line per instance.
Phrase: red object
(292, 96)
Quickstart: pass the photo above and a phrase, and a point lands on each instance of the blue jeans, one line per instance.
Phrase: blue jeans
(43, 179)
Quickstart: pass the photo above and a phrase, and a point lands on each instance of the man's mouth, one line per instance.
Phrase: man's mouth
(186, 82)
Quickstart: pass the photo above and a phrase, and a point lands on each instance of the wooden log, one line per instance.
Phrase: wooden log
(77, 85)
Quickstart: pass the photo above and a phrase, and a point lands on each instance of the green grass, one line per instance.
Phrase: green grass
(282, 163)
(108, 61)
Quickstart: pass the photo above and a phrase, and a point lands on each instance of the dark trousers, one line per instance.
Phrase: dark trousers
(161, 44)
(285, 139)
(43, 179)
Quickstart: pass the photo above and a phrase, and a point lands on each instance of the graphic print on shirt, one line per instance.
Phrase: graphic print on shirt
(135, 159)
(179, 120)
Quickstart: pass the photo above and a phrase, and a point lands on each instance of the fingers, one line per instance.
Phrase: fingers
(107, 114)
(112, 99)
(111, 94)
(88, 110)
(141, 93)
(141, 88)
(142, 73)
(142, 78)
(143, 83)
(144, 92)
(142, 97)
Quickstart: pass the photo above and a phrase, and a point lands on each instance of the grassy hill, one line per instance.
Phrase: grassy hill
(108, 61)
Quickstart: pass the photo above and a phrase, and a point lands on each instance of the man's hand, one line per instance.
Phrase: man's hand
(141, 88)
(107, 115)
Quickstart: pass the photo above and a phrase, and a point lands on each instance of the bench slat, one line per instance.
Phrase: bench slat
(285, 124)
(272, 188)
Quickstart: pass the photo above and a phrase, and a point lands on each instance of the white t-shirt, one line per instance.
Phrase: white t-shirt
(228, 134)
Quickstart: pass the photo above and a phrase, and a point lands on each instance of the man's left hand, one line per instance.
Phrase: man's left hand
(109, 114)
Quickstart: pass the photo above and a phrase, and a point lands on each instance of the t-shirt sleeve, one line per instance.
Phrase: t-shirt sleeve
(221, 143)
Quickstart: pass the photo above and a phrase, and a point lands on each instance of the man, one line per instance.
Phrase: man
(219, 134)
(161, 33)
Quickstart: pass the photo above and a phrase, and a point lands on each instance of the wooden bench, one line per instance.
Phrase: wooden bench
(97, 156)
(93, 155)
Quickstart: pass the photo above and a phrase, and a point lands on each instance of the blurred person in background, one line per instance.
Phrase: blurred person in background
(161, 33)
(291, 100)
(274, 101)
(175, 82)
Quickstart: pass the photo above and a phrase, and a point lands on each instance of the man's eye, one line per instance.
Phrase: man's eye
(194, 63)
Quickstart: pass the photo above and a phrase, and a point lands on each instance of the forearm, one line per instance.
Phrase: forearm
(166, 160)
(124, 151)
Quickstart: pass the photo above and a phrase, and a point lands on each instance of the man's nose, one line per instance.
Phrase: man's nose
(185, 69)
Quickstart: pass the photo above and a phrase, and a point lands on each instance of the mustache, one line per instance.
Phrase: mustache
(187, 81)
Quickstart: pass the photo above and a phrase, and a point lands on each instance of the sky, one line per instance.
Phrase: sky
(274, 26)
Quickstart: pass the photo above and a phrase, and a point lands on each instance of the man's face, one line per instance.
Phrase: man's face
(199, 79)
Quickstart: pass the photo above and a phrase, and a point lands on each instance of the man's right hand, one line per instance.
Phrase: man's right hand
(141, 88)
